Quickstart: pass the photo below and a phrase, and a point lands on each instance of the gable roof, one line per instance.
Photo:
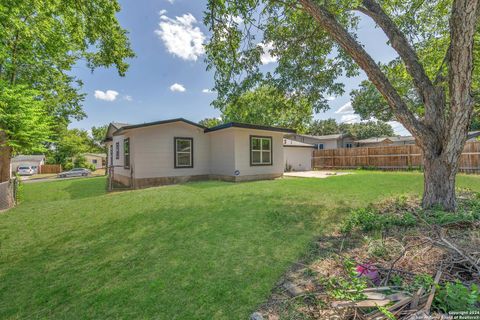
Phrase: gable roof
(148, 124)
(248, 126)
(293, 143)
(28, 157)
(318, 138)
(473, 134)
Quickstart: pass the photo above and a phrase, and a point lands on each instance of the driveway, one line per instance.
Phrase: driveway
(314, 174)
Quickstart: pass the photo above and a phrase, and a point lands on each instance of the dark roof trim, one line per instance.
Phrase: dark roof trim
(248, 126)
(148, 124)
(296, 146)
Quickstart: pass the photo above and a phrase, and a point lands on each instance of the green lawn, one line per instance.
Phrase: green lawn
(206, 250)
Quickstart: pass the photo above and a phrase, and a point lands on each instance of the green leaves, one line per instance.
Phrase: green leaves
(40, 43)
(308, 62)
(24, 118)
(268, 105)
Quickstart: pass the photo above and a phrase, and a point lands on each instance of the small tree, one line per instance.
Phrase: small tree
(314, 42)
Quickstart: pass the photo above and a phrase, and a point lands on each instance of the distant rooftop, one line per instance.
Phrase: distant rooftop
(293, 143)
(27, 157)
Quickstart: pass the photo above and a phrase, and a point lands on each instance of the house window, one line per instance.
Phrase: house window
(183, 152)
(260, 151)
(320, 146)
(117, 150)
(348, 145)
(94, 161)
(126, 153)
(111, 155)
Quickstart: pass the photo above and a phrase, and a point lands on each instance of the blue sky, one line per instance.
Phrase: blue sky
(168, 78)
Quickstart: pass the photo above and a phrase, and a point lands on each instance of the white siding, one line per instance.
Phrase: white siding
(299, 158)
(152, 150)
(222, 152)
(242, 152)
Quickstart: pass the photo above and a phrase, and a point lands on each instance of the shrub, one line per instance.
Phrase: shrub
(456, 297)
(369, 219)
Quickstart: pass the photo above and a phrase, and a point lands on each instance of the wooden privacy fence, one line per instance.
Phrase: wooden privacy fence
(390, 158)
(50, 168)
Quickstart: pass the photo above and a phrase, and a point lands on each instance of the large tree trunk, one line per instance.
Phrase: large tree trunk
(439, 182)
(5, 156)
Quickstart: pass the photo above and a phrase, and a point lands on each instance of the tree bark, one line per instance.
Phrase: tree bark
(5, 156)
(439, 180)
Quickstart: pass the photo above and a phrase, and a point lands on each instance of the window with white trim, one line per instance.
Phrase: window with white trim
(183, 152)
(117, 150)
(260, 151)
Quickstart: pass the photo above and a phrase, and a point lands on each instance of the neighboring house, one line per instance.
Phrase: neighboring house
(473, 136)
(385, 141)
(331, 141)
(34, 161)
(400, 140)
(178, 150)
(99, 160)
(298, 155)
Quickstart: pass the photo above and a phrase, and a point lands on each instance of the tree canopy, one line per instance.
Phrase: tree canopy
(210, 122)
(40, 42)
(268, 106)
(357, 131)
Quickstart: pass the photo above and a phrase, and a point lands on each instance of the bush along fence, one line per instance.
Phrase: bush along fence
(389, 158)
(8, 194)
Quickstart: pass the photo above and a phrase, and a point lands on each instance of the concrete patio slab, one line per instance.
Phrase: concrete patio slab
(314, 174)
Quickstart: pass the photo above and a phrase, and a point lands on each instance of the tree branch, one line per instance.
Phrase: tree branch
(400, 43)
(433, 98)
(365, 61)
(460, 69)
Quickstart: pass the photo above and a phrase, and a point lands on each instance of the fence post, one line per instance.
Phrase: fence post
(368, 157)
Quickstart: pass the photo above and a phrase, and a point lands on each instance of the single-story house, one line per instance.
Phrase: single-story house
(34, 161)
(331, 141)
(298, 155)
(178, 150)
(99, 160)
(385, 141)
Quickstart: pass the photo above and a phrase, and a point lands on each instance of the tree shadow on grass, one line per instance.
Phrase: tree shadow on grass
(86, 188)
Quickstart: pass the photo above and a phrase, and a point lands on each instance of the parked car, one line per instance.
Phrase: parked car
(25, 171)
(75, 172)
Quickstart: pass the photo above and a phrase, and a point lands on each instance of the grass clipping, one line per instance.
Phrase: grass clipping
(392, 260)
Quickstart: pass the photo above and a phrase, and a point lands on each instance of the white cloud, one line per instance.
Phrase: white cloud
(350, 118)
(398, 128)
(128, 98)
(181, 37)
(171, 1)
(207, 91)
(331, 98)
(177, 87)
(266, 56)
(109, 95)
(162, 12)
(346, 108)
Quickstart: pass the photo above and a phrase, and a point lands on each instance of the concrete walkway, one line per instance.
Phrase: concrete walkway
(314, 174)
